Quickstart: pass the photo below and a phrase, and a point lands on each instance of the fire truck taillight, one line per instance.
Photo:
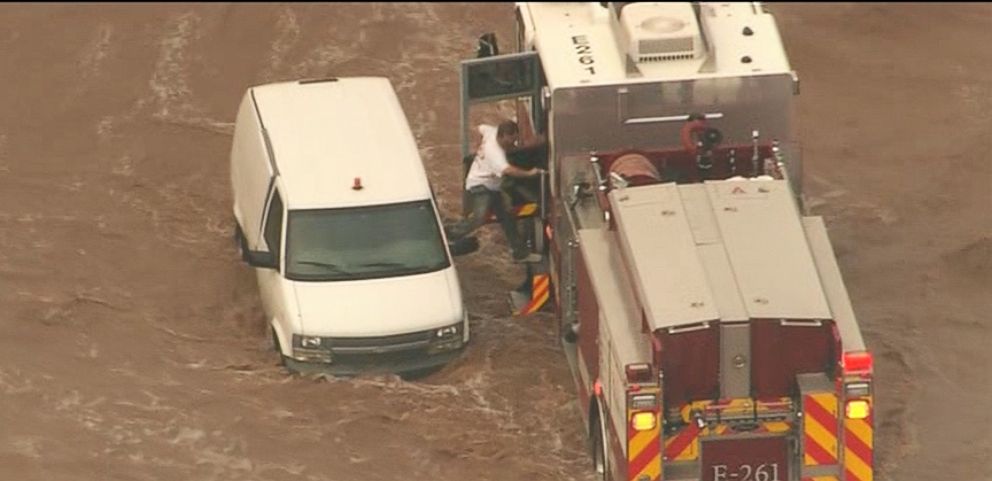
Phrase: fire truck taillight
(857, 362)
(857, 409)
(643, 421)
(638, 373)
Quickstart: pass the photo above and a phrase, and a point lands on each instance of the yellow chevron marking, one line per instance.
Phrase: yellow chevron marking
(821, 435)
(861, 429)
(539, 294)
(737, 405)
(718, 430)
(824, 478)
(640, 441)
(690, 451)
(777, 427)
(527, 209)
(534, 306)
(857, 466)
(653, 470)
(529, 309)
(638, 444)
(540, 301)
(827, 401)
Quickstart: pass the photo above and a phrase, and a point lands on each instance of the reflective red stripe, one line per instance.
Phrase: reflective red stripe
(646, 456)
(815, 410)
(682, 441)
(815, 451)
(857, 446)
(816, 413)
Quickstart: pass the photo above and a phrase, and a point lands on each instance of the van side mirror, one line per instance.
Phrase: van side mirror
(262, 259)
(463, 246)
(488, 47)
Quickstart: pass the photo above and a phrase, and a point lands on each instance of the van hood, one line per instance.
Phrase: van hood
(379, 307)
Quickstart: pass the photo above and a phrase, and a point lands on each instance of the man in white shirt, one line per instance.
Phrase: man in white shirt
(483, 187)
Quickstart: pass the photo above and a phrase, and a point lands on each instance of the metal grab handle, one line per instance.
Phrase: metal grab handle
(574, 199)
(622, 101)
(801, 323)
(544, 178)
(668, 118)
(755, 135)
(600, 180)
(694, 327)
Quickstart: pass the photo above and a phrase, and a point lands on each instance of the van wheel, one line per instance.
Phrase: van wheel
(599, 449)
(277, 347)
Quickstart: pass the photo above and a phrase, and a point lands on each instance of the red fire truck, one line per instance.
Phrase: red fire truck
(702, 311)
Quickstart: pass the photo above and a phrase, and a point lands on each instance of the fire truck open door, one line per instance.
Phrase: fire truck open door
(495, 78)
(512, 77)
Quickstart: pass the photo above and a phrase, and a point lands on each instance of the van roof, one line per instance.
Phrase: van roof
(326, 133)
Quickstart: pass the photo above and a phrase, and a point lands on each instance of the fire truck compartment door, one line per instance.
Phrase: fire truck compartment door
(735, 360)
(617, 305)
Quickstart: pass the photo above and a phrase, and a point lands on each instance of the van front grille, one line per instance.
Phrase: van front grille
(370, 360)
(399, 340)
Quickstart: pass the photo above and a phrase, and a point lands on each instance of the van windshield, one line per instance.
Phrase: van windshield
(364, 242)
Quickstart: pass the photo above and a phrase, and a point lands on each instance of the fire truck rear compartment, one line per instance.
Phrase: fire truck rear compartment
(694, 362)
(727, 282)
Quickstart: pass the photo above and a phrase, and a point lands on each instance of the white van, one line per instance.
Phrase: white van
(335, 212)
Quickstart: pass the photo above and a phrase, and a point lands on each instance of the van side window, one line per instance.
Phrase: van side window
(273, 223)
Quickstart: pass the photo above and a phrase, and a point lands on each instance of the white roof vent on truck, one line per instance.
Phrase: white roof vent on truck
(659, 31)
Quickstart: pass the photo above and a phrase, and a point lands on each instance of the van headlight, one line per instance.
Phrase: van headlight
(447, 331)
(446, 338)
(309, 341)
(311, 349)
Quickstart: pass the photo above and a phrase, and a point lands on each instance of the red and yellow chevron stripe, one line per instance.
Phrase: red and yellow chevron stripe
(820, 427)
(737, 406)
(643, 451)
(526, 210)
(539, 293)
(520, 211)
(858, 446)
(684, 445)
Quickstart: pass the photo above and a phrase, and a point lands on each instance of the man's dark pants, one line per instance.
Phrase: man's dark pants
(480, 199)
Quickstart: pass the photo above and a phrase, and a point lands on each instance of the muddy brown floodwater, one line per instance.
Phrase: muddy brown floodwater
(131, 341)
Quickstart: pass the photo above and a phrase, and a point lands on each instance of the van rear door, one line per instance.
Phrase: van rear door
(252, 170)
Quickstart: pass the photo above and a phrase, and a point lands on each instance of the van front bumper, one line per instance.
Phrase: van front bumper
(385, 363)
